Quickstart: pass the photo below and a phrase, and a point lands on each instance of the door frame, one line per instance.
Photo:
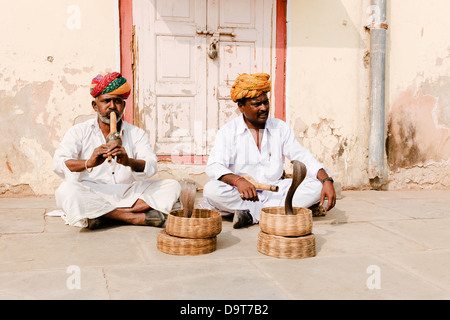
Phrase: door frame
(127, 60)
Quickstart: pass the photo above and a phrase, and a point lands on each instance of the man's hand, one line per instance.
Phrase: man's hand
(104, 151)
(116, 150)
(247, 190)
(328, 192)
(97, 157)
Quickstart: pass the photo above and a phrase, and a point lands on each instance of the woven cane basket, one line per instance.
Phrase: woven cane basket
(202, 224)
(184, 246)
(287, 247)
(274, 221)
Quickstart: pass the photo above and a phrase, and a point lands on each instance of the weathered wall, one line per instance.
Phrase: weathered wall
(418, 96)
(50, 51)
(329, 89)
(328, 84)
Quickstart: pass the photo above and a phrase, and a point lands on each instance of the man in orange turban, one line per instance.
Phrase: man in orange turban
(254, 144)
(95, 190)
(250, 86)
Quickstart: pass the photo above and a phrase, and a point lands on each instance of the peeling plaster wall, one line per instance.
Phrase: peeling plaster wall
(50, 51)
(329, 85)
(418, 110)
(329, 89)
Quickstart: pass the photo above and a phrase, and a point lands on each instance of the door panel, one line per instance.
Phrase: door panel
(175, 10)
(237, 13)
(182, 95)
(239, 26)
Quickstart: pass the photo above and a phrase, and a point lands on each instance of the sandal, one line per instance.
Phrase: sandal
(94, 223)
(155, 218)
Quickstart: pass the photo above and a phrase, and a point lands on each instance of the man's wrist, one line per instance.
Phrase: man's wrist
(136, 165)
(327, 179)
(87, 167)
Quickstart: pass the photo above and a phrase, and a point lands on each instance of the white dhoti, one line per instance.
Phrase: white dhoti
(80, 202)
(226, 199)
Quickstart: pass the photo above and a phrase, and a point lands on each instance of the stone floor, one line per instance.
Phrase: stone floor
(372, 245)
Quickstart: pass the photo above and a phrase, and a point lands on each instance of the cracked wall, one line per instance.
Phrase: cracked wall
(46, 66)
(418, 99)
(45, 72)
(329, 88)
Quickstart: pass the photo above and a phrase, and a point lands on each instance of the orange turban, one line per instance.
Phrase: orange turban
(250, 86)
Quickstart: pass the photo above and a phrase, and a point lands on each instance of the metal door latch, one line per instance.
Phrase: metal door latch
(212, 51)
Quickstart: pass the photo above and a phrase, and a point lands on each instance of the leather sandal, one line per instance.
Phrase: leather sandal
(94, 223)
(242, 218)
(155, 218)
(317, 211)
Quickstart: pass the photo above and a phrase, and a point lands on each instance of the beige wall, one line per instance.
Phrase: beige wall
(329, 89)
(328, 84)
(47, 61)
(418, 95)
(49, 53)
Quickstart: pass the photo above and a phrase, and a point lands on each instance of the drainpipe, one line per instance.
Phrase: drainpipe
(377, 168)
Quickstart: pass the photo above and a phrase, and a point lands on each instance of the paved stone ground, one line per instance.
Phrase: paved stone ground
(372, 245)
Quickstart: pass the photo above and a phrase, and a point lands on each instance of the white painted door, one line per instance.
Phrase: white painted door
(182, 90)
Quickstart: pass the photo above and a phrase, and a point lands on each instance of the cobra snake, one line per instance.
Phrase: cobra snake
(188, 191)
(298, 176)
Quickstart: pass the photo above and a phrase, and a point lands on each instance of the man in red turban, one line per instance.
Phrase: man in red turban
(95, 190)
(111, 83)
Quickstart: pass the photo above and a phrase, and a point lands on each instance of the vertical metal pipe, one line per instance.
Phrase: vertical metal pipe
(377, 169)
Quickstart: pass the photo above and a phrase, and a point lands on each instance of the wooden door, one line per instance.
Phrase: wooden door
(187, 55)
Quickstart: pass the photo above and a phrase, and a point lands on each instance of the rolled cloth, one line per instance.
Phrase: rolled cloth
(250, 86)
(111, 83)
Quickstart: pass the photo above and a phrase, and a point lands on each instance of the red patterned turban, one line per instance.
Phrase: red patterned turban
(111, 83)
(250, 86)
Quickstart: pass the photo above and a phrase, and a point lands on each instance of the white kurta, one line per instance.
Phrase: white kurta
(235, 151)
(109, 185)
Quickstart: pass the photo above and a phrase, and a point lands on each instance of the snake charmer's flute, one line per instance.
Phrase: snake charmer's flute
(113, 135)
(261, 186)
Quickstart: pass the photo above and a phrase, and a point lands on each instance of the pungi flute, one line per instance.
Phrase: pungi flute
(261, 186)
(113, 135)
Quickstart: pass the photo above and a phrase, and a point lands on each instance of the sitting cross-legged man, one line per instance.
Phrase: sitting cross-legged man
(95, 189)
(255, 144)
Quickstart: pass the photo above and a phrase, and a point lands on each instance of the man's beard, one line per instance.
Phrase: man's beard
(106, 118)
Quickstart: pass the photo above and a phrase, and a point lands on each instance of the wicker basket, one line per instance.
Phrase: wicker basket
(274, 221)
(287, 247)
(203, 224)
(184, 246)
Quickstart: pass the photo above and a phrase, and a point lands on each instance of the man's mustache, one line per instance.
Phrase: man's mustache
(107, 117)
(108, 113)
